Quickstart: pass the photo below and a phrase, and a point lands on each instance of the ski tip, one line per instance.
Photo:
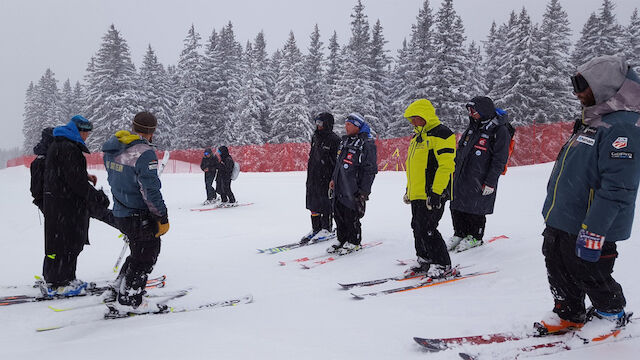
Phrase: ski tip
(345, 286)
(467, 356)
(304, 267)
(260, 251)
(357, 297)
(282, 263)
(57, 309)
(49, 328)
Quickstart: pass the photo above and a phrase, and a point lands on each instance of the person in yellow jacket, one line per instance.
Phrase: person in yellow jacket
(430, 165)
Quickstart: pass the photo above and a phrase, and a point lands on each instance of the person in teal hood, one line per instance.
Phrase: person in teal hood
(591, 197)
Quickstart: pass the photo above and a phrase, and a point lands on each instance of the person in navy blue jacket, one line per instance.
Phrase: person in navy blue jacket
(139, 209)
(591, 197)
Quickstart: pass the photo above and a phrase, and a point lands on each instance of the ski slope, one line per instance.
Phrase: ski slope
(296, 313)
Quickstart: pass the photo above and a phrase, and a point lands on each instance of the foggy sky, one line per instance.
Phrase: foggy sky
(64, 34)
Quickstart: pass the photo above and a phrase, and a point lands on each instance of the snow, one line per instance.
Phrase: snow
(296, 314)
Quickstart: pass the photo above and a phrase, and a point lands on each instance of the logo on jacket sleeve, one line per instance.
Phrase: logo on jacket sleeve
(586, 140)
(620, 143)
(153, 165)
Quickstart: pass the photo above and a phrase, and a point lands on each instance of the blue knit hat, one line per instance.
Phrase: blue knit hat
(356, 119)
(82, 123)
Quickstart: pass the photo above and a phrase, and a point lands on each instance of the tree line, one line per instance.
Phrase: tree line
(223, 92)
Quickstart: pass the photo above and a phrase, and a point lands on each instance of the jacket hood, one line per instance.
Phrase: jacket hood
(627, 98)
(43, 146)
(425, 110)
(224, 151)
(119, 141)
(605, 75)
(70, 131)
(327, 121)
(366, 129)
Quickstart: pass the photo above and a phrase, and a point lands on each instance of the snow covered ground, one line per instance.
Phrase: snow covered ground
(297, 314)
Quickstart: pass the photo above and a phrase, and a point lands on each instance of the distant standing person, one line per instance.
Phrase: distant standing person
(353, 175)
(66, 201)
(209, 165)
(322, 161)
(591, 198)
(483, 151)
(223, 183)
(140, 211)
(430, 166)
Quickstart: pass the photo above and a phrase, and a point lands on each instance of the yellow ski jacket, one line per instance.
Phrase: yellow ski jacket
(432, 150)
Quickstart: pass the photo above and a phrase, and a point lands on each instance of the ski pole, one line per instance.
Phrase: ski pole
(124, 249)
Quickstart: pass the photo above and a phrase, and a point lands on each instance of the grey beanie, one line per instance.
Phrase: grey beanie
(605, 75)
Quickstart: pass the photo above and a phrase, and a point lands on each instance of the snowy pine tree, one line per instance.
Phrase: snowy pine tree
(380, 80)
(557, 103)
(421, 56)
(112, 98)
(156, 97)
(584, 49)
(290, 118)
(632, 41)
(609, 31)
(315, 85)
(354, 91)
(49, 101)
(493, 48)
(67, 101)
(31, 127)
(475, 80)
(188, 118)
(401, 88)
(252, 102)
(447, 90)
(223, 87)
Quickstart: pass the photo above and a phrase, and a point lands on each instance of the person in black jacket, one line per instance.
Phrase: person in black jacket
(209, 165)
(67, 195)
(483, 151)
(350, 186)
(37, 167)
(223, 181)
(322, 161)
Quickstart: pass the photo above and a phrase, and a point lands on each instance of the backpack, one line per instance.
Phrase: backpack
(236, 170)
(512, 132)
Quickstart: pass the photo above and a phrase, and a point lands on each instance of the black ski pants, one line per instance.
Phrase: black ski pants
(145, 248)
(208, 185)
(468, 224)
(348, 225)
(321, 221)
(428, 241)
(60, 269)
(224, 189)
(571, 278)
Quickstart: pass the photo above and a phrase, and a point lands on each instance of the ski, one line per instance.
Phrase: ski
(221, 207)
(421, 285)
(387, 279)
(84, 306)
(490, 240)
(93, 290)
(570, 341)
(295, 245)
(325, 259)
(169, 310)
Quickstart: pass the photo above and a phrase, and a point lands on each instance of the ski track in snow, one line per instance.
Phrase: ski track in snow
(296, 314)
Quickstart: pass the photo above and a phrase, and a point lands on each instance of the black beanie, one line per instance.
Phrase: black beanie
(484, 106)
(327, 120)
(145, 123)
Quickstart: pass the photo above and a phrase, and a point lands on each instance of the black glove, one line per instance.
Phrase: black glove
(102, 199)
(361, 204)
(434, 201)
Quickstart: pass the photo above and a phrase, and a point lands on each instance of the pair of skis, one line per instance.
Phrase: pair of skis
(551, 344)
(217, 207)
(295, 245)
(424, 282)
(91, 290)
(113, 313)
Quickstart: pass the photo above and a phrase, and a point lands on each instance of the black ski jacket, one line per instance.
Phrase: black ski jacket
(210, 166)
(322, 161)
(356, 168)
(483, 151)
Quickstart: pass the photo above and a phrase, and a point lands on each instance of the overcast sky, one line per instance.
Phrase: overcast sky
(64, 34)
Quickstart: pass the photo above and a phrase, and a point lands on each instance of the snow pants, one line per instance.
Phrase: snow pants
(468, 224)
(208, 186)
(571, 278)
(224, 189)
(59, 269)
(145, 248)
(348, 225)
(321, 221)
(428, 241)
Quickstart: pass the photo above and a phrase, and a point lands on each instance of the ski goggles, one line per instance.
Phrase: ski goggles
(579, 83)
(206, 153)
(319, 122)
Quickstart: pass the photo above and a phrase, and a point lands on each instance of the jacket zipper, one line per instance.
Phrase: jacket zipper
(555, 188)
